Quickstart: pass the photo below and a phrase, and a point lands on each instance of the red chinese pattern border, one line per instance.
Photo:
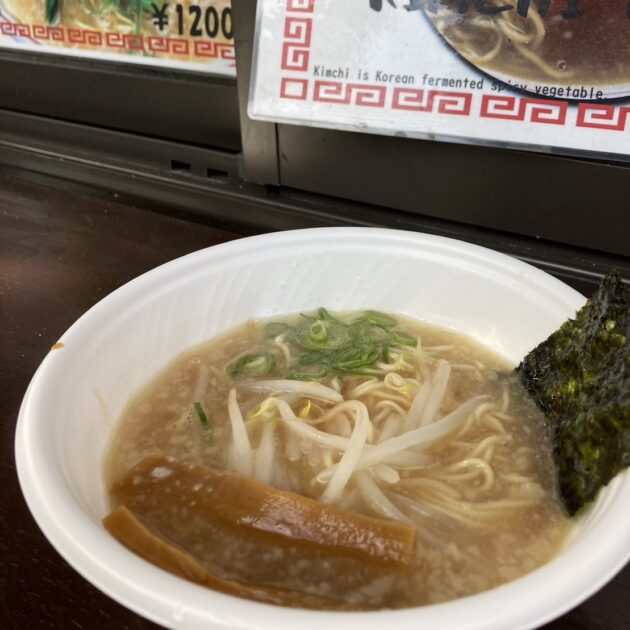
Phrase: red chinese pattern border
(118, 41)
(296, 52)
(296, 47)
(456, 103)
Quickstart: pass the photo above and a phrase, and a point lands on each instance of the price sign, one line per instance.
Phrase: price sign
(530, 73)
(191, 34)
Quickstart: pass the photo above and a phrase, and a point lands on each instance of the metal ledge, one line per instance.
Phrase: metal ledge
(188, 107)
(205, 184)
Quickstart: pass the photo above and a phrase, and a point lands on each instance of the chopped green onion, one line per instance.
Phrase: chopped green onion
(385, 353)
(326, 345)
(325, 315)
(318, 331)
(314, 375)
(254, 365)
(364, 331)
(336, 338)
(403, 339)
(311, 358)
(354, 357)
(380, 319)
(52, 11)
(201, 414)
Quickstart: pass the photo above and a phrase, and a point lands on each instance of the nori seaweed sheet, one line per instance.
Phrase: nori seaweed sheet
(580, 378)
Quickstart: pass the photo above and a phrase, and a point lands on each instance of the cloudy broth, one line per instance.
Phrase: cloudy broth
(482, 498)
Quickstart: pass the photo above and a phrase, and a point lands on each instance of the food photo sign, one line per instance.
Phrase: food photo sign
(186, 34)
(539, 74)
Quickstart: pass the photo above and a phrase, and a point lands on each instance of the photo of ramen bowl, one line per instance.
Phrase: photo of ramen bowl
(577, 50)
(75, 405)
(124, 18)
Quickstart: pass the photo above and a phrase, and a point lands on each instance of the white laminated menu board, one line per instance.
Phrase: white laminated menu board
(185, 34)
(546, 74)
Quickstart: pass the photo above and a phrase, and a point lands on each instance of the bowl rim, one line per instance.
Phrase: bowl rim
(138, 588)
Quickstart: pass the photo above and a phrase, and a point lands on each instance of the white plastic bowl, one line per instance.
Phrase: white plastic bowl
(79, 391)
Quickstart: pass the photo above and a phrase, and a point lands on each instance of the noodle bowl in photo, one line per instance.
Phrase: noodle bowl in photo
(126, 17)
(559, 43)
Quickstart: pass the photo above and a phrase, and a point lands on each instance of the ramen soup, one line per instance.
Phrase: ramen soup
(563, 42)
(352, 461)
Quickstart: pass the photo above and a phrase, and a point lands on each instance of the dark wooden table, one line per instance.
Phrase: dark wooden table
(62, 249)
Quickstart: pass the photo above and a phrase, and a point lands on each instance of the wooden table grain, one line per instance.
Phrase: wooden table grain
(62, 249)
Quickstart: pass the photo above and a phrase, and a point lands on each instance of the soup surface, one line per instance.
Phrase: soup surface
(433, 432)
(561, 42)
